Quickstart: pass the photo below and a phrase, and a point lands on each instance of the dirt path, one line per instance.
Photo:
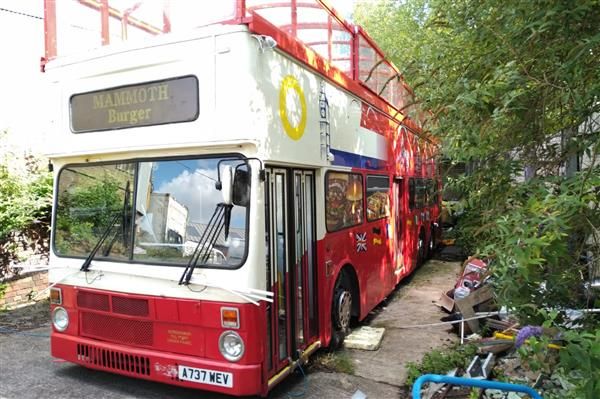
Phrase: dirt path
(413, 303)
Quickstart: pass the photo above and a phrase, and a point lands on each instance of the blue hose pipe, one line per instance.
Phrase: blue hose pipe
(471, 382)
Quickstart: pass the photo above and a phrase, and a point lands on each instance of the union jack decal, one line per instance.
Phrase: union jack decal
(361, 242)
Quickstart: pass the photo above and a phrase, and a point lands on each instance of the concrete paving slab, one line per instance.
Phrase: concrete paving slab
(365, 338)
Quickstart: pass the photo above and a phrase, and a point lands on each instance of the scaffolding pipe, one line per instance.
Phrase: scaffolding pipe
(471, 382)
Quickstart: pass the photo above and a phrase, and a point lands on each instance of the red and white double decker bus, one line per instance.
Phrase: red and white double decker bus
(234, 182)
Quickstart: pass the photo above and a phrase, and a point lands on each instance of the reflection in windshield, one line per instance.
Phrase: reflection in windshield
(90, 199)
(174, 204)
(174, 200)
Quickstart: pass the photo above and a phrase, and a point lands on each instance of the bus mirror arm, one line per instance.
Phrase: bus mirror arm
(261, 172)
(219, 183)
(234, 183)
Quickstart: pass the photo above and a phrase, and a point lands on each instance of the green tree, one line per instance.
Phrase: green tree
(512, 86)
(25, 208)
(507, 84)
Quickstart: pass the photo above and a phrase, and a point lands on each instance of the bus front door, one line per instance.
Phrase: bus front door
(291, 266)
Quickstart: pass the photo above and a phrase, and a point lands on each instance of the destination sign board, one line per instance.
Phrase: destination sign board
(151, 103)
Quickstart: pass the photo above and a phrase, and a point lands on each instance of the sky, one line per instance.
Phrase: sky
(23, 99)
(22, 83)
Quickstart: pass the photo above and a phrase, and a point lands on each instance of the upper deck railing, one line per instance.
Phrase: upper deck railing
(73, 26)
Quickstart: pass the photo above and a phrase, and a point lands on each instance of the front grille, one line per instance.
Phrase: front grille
(130, 306)
(115, 329)
(113, 359)
(91, 300)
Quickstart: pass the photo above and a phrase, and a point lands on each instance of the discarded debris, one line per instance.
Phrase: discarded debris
(436, 387)
(474, 302)
(359, 395)
(480, 368)
(473, 312)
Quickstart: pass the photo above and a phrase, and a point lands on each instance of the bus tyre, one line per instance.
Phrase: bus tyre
(341, 312)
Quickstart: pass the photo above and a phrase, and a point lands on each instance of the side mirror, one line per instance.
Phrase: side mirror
(241, 187)
(227, 184)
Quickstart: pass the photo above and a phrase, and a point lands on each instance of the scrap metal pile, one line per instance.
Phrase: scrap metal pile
(476, 317)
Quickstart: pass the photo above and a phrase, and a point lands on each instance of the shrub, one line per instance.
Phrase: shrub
(25, 209)
(440, 362)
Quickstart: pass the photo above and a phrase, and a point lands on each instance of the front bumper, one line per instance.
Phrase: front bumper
(153, 365)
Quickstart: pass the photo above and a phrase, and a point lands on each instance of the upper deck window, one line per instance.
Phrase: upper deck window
(159, 220)
(79, 25)
(86, 24)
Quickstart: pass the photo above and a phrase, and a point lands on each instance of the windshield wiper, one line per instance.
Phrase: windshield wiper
(219, 220)
(124, 225)
(86, 264)
(125, 222)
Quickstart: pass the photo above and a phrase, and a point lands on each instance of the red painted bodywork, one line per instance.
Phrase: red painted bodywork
(148, 336)
(167, 331)
(376, 269)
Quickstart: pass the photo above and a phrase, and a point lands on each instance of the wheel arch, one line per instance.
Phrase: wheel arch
(348, 272)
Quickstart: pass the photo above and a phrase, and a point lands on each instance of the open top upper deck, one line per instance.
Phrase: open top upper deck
(310, 31)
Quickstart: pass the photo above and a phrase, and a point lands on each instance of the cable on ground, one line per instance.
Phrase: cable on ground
(302, 392)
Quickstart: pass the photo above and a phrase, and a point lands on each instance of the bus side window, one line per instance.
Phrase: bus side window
(428, 192)
(432, 192)
(343, 200)
(411, 193)
(378, 194)
(420, 193)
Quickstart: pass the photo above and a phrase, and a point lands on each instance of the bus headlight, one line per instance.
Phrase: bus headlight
(60, 318)
(231, 346)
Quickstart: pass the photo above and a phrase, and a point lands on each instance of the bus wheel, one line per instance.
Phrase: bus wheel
(341, 312)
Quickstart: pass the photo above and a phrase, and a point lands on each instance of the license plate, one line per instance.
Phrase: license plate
(204, 376)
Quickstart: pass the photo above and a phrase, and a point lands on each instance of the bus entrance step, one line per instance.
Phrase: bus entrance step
(365, 338)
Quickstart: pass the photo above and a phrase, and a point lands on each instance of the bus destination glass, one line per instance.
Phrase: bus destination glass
(151, 103)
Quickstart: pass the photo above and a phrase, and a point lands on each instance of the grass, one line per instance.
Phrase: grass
(441, 361)
(339, 362)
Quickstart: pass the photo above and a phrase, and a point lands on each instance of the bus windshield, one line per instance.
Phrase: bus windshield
(161, 222)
